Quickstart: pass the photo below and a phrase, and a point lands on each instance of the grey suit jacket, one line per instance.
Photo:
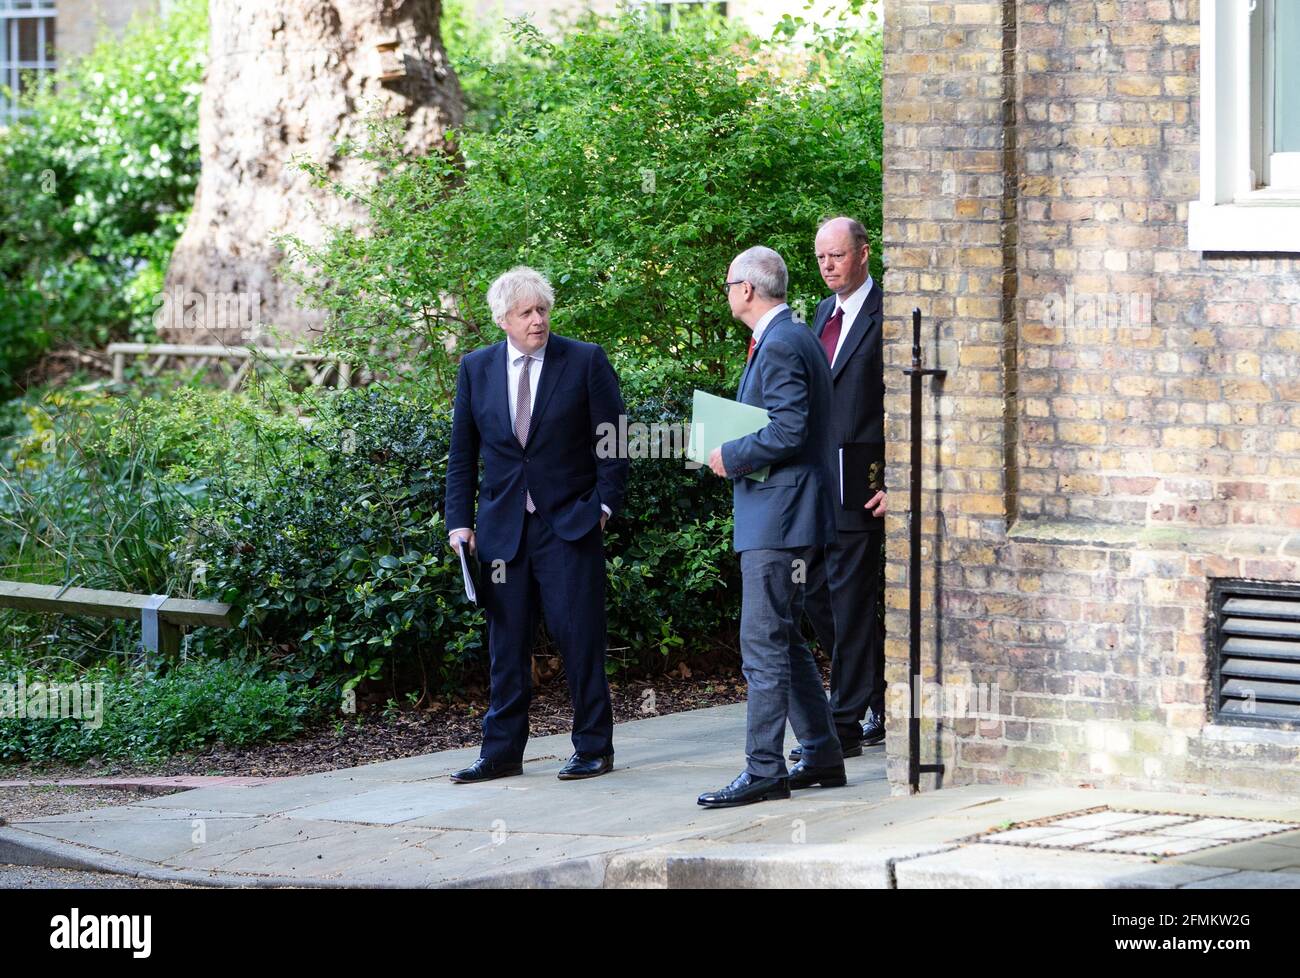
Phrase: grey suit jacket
(795, 506)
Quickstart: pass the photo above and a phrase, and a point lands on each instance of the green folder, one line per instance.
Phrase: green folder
(715, 420)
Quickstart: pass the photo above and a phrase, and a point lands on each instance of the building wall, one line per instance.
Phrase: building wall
(80, 23)
(1088, 474)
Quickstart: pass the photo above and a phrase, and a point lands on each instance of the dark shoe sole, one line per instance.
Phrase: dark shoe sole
(829, 782)
(563, 776)
(507, 773)
(871, 742)
(854, 751)
(773, 795)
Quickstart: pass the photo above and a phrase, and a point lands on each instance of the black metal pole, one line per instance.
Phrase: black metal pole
(914, 766)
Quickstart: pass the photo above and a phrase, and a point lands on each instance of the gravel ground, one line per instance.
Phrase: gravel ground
(41, 878)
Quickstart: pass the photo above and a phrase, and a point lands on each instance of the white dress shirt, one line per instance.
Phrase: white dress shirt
(515, 367)
(766, 320)
(851, 306)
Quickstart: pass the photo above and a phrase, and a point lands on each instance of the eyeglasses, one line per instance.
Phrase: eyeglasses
(726, 286)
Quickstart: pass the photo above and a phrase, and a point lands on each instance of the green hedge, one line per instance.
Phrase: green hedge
(337, 556)
(631, 170)
(148, 714)
(96, 183)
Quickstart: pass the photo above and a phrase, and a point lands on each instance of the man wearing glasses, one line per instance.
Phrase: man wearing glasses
(779, 523)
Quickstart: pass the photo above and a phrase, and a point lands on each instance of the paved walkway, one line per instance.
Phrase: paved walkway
(160, 784)
(402, 823)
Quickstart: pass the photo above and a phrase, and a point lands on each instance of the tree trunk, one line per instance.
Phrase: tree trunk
(287, 80)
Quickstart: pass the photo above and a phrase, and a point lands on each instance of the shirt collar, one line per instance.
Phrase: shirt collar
(516, 353)
(766, 321)
(853, 303)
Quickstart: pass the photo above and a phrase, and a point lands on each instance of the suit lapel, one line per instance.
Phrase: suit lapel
(822, 315)
(552, 367)
(744, 377)
(499, 368)
(867, 319)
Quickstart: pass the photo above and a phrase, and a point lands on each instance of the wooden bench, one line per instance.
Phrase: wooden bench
(232, 361)
(161, 618)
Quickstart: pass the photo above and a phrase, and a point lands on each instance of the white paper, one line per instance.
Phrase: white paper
(464, 570)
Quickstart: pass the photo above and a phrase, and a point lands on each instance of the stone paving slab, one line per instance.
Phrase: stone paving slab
(1248, 880)
(403, 823)
(1014, 867)
(143, 836)
(693, 866)
(1261, 856)
(108, 781)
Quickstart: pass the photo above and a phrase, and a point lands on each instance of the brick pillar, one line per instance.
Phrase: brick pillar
(950, 249)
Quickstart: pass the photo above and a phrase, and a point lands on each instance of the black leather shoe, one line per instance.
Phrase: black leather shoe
(873, 731)
(847, 748)
(746, 790)
(580, 767)
(485, 770)
(804, 775)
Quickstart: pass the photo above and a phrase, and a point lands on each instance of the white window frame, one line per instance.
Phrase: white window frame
(1280, 172)
(1232, 213)
(11, 67)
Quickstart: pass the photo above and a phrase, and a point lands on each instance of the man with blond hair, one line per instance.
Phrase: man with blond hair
(530, 407)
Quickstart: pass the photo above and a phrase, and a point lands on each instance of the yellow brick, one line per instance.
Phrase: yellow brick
(1139, 87)
(1083, 434)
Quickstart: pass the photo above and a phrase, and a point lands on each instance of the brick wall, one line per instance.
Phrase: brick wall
(1121, 419)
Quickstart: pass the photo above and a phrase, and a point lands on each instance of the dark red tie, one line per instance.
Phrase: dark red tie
(750, 354)
(831, 334)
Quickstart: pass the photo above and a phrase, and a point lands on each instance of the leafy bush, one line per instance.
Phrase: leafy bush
(96, 484)
(95, 185)
(673, 578)
(337, 557)
(149, 714)
(642, 161)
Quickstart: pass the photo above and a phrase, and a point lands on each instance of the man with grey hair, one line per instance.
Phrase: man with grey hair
(530, 406)
(779, 522)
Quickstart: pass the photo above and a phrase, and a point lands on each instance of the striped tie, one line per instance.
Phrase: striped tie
(524, 417)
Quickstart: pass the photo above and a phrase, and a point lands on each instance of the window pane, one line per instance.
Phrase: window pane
(28, 46)
(1286, 74)
(27, 5)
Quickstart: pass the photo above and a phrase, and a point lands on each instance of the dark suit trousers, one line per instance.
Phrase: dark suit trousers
(565, 583)
(841, 598)
(781, 673)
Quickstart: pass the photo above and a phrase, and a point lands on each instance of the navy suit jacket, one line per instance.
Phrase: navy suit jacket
(794, 507)
(559, 466)
(858, 393)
